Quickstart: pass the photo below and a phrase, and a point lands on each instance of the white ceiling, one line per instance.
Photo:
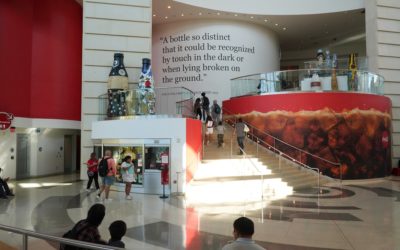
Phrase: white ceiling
(294, 31)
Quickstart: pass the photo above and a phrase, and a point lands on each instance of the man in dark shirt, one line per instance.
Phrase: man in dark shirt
(4, 189)
(240, 134)
(205, 104)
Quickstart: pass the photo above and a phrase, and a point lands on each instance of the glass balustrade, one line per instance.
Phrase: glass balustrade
(160, 101)
(316, 80)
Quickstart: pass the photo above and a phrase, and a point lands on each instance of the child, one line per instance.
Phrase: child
(127, 175)
(220, 134)
(117, 231)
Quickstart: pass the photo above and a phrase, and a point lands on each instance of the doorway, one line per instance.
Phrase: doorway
(68, 154)
(23, 156)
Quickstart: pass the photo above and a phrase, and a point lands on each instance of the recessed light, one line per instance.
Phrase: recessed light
(169, 7)
(182, 14)
(251, 17)
(218, 13)
(154, 14)
(276, 24)
(200, 14)
(284, 28)
(166, 17)
(265, 20)
(236, 15)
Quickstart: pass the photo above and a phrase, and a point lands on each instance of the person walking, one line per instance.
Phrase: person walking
(109, 178)
(240, 134)
(128, 175)
(205, 104)
(243, 230)
(220, 134)
(197, 109)
(209, 129)
(216, 112)
(92, 171)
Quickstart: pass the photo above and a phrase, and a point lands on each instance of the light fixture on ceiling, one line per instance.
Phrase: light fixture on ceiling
(200, 14)
(276, 24)
(218, 13)
(236, 14)
(154, 14)
(166, 17)
(265, 20)
(182, 14)
(251, 17)
(169, 6)
(284, 28)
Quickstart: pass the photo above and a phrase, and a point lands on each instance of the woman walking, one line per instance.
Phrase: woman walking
(92, 172)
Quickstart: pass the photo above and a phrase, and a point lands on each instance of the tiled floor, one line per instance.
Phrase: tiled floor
(360, 215)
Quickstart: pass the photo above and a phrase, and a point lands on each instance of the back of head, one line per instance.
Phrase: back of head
(117, 229)
(240, 120)
(203, 94)
(108, 153)
(96, 214)
(244, 227)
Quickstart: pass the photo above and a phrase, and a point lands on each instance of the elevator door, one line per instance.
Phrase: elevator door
(68, 168)
(22, 156)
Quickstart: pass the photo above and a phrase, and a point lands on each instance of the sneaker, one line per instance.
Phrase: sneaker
(128, 197)
(98, 196)
(88, 190)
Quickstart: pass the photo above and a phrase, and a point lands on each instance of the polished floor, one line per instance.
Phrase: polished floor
(357, 215)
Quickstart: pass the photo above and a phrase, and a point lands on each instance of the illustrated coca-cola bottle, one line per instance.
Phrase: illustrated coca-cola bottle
(145, 92)
(117, 87)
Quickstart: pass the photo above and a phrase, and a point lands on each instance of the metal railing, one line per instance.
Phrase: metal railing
(165, 101)
(273, 148)
(302, 80)
(27, 233)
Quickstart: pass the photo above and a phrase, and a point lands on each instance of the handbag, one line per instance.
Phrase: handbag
(90, 173)
(246, 129)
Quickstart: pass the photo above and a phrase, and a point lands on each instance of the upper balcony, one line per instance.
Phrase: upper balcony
(127, 104)
(314, 80)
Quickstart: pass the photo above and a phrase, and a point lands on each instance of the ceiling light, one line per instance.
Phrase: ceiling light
(276, 24)
(200, 14)
(154, 14)
(166, 17)
(235, 14)
(284, 28)
(182, 14)
(169, 7)
(251, 17)
(218, 13)
(265, 20)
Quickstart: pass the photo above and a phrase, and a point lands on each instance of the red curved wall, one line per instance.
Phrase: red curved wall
(41, 60)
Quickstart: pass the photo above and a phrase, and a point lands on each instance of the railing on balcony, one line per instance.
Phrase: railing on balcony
(308, 80)
(161, 101)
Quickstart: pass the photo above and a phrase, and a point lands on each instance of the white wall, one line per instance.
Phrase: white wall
(148, 128)
(110, 26)
(298, 57)
(216, 82)
(383, 49)
(46, 162)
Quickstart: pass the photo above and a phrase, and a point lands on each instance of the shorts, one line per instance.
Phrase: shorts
(209, 131)
(128, 178)
(108, 180)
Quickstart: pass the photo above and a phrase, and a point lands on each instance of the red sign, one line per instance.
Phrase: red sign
(385, 139)
(5, 120)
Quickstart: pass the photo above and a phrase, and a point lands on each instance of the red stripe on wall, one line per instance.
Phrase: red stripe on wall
(193, 147)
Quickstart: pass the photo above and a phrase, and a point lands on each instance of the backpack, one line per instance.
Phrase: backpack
(73, 235)
(217, 109)
(103, 167)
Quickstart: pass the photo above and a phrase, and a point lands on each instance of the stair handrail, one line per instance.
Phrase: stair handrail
(288, 144)
(77, 243)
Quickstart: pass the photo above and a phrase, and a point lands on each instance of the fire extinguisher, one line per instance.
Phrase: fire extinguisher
(164, 168)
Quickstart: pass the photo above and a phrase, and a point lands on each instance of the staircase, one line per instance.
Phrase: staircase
(235, 183)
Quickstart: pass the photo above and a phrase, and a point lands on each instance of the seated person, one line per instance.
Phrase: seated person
(117, 231)
(243, 230)
(4, 189)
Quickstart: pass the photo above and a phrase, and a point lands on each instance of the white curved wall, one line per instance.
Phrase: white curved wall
(281, 7)
(204, 74)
